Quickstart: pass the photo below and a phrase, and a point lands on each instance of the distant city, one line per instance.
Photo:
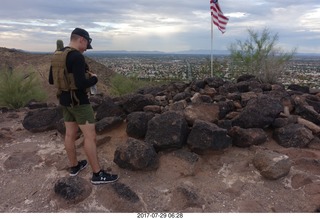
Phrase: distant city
(157, 66)
(166, 66)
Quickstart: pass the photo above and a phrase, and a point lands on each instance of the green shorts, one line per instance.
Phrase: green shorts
(81, 114)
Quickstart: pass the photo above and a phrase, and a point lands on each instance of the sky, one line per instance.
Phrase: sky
(167, 25)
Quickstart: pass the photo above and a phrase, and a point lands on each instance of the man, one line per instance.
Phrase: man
(68, 72)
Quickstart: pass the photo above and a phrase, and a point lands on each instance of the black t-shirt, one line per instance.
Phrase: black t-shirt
(76, 64)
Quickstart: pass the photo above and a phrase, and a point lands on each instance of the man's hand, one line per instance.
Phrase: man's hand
(92, 74)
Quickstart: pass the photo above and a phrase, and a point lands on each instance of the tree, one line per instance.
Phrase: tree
(259, 56)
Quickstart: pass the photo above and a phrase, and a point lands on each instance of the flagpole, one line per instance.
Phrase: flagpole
(211, 47)
(218, 19)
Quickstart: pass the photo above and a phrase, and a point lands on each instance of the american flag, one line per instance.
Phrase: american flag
(217, 16)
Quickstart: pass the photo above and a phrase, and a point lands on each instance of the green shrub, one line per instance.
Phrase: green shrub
(18, 88)
(259, 56)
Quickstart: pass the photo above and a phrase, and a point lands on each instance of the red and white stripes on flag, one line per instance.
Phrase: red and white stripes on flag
(217, 16)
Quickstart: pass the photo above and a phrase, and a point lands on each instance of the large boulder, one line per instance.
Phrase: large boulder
(109, 109)
(207, 136)
(168, 130)
(136, 155)
(293, 135)
(260, 112)
(41, 120)
(137, 124)
(272, 165)
(208, 112)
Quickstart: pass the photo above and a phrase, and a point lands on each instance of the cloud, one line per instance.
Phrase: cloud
(155, 25)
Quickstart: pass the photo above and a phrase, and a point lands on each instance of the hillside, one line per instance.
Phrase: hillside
(40, 63)
(226, 180)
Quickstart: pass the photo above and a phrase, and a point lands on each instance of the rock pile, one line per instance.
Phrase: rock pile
(201, 116)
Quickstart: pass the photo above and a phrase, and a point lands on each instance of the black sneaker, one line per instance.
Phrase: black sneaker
(76, 169)
(103, 178)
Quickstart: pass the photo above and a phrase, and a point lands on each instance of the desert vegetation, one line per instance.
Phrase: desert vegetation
(18, 87)
(260, 56)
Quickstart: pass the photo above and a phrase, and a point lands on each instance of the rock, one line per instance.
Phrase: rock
(247, 137)
(214, 82)
(246, 77)
(260, 112)
(205, 111)
(136, 102)
(313, 101)
(181, 96)
(36, 105)
(178, 106)
(154, 90)
(136, 155)
(247, 86)
(168, 130)
(225, 108)
(245, 97)
(137, 124)
(272, 165)
(207, 136)
(109, 109)
(293, 135)
(223, 180)
(125, 192)
(209, 91)
(296, 87)
(108, 123)
(153, 109)
(310, 125)
(228, 87)
(281, 122)
(307, 112)
(72, 189)
(42, 119)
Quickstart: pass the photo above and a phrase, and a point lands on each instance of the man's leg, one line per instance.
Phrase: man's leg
(90, 147)
(69, 142)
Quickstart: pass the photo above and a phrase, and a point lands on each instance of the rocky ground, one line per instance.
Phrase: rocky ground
(225, 181)
(31, 164)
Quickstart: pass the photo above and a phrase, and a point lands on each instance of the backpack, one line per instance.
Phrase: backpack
(62, 79)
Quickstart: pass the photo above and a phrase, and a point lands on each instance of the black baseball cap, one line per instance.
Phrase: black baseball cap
(83, 33)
